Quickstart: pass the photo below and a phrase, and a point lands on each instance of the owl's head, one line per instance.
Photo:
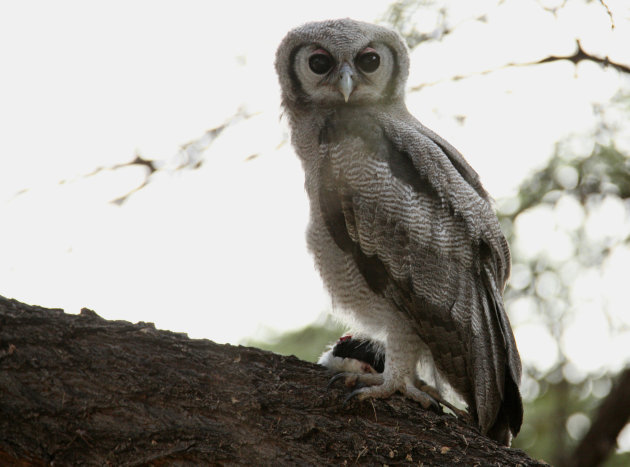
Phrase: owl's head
(341, 62)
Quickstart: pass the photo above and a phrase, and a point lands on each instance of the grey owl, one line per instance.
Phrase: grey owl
(403, 233)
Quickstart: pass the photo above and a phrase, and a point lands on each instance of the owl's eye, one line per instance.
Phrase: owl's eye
(320, 62)
(369, 60)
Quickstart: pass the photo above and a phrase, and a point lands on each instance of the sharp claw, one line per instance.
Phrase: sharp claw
(435, 395)
(435, 405)
(334, 379)
(350, 396)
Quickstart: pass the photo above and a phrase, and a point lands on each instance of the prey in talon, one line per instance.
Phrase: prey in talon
(359, 362)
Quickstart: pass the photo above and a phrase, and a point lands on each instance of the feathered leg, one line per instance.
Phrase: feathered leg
(360, 362)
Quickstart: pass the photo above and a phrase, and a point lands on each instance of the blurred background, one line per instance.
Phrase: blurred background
(145, 173)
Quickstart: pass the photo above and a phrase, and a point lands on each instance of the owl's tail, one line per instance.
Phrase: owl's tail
(510, 411)
(510, 416)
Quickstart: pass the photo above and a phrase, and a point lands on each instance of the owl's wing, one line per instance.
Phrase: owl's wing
(423, 234)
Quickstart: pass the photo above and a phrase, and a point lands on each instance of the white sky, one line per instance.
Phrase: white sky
(219, 252)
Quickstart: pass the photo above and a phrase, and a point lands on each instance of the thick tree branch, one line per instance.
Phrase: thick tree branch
(77, 389)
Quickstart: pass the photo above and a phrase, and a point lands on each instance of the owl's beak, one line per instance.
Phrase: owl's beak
(346, 85)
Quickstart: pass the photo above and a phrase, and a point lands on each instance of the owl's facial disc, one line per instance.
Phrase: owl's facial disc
(357, 76)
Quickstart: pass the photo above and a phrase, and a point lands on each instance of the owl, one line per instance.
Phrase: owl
(403, 234)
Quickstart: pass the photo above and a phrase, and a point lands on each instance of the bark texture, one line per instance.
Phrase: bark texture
(81, 390)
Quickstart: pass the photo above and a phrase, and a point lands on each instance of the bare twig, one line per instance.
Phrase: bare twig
(188, 157)
(610, 15)
(578, 56)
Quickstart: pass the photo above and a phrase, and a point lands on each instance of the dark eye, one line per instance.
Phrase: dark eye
(368, 61)
(320, 62)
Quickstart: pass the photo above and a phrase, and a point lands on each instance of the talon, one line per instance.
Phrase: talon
(352, 395)
(350, 379)
(434, 405)
(433, 393)
(461, 414)
(334, 379)
(426, 400)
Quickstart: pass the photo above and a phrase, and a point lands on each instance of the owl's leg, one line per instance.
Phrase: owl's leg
(350, 356)
(377, 379)
(402, 355)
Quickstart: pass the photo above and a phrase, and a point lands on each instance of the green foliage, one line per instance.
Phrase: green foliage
(560, 403)
(545, 433)
(398, 16)
(604, 171)
(618, 460)
(307, 343)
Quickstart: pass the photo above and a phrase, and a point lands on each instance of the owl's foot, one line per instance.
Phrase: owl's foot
(360, 363)
(373, 385)
(386, 389)
(353, 379)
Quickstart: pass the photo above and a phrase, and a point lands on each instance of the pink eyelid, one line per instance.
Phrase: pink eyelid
(320, 51)
(367, 50)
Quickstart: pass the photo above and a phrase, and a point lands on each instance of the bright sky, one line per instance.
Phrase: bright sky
(219, 252)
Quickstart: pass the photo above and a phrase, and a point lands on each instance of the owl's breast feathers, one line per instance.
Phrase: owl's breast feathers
(412, 214)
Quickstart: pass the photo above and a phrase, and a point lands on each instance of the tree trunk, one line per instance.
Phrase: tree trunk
(78, 389)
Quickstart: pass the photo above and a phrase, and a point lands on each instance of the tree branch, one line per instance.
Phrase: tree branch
(77, 389)
(609, 13)
(578, 56)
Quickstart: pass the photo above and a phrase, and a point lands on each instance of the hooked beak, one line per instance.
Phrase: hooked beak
(346, 85)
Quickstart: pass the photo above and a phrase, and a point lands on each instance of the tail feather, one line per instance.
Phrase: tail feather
(509, 416)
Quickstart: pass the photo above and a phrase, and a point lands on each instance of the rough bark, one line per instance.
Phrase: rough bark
(81, 390)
